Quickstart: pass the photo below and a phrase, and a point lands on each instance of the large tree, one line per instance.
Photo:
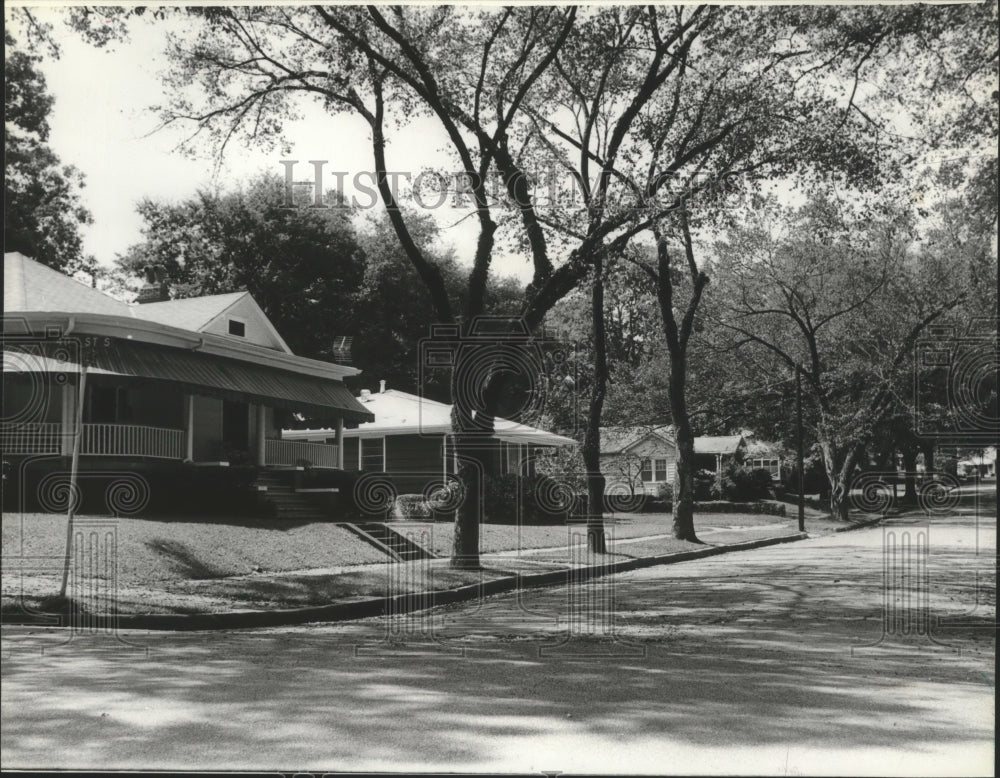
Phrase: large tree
(43, 212)
(640, 107)
(316, 274)
(304, 267)
(841, 300)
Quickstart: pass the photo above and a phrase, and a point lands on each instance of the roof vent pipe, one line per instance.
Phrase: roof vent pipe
(366, 395)
(381, 386)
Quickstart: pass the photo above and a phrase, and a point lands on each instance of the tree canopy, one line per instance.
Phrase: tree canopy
(43, 211)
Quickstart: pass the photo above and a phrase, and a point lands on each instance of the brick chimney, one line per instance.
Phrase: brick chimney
(156, 289)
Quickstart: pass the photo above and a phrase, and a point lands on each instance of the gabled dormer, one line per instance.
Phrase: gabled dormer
(235, 315)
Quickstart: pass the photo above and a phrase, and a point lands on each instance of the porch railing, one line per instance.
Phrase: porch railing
(35, 438)
(98, 440)
(132, 440)
(294, 452)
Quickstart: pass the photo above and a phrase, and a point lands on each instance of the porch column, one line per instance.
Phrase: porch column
(66, 419)
(718, 465)
(340, 443)
(189, 428)
(261, 435)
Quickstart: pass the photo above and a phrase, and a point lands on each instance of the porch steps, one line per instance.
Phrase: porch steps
(390, 542)
(286, 502)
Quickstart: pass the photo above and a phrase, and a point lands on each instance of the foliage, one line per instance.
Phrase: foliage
(411, 506)
(660, 117)
(743, 484)
(706, 485)
(542, 499)
(43, 211)
(314, 274)
(947, 465)
(815, 480)
(842, 297)
(301, 265)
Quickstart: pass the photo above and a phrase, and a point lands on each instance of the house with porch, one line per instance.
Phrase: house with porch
(643, 459)
(764, 455)
(410, 441)
(195, 383)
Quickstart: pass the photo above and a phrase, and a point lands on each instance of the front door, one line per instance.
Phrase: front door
(235, 426)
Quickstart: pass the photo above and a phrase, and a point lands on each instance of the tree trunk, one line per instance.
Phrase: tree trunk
(910, 475)
(595, 502)
(470, 436)
(592, 438)
(684, 437)
(465, 545)
(928, 451)
(839, 463)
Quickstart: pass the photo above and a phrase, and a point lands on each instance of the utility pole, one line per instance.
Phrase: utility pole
(801, 450)
(73, 472)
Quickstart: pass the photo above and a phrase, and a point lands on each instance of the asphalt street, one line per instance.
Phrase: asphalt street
(868, 652)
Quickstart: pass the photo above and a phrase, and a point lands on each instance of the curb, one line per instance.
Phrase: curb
(861, 525)
(379, 606)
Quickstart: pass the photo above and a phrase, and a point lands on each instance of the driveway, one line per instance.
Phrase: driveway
(851, 654)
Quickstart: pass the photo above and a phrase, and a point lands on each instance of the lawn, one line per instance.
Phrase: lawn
(150, 550)
(236, 564)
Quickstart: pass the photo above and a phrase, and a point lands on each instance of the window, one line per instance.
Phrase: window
(773, 466)
(109, 405)
(513, 458)
(373, 455)
(660, 470)
(647, 471)
(237, 328)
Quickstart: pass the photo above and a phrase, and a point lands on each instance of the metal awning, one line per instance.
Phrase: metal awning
(120, 360)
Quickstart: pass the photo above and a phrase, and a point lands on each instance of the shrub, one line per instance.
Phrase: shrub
(665, 492)
(725, 506)
(705, 483)
(541, 499)
(411, 506)
(500, 497)
(743, 484)
(720, 506)
(947, 465)
(342, 505)
(815, 480)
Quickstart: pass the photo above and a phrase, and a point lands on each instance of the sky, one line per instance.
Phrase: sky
(103, 123)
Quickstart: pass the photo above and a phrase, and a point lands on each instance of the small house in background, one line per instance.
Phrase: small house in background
(764, 455)
(179, 385)
(410, 440)
(642, 459)
(982, 464)
(637, 459)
